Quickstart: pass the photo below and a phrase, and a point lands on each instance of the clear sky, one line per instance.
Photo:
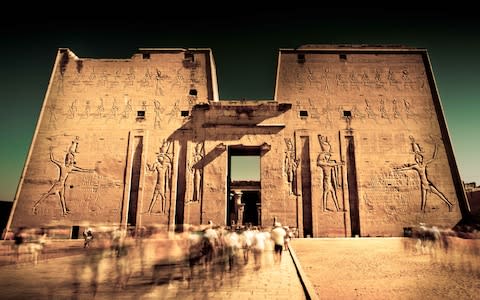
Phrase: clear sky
(245, 167)
(245, 43)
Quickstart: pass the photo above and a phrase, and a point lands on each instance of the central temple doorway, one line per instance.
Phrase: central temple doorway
(251, 213)
(244, 192)
(245, 205)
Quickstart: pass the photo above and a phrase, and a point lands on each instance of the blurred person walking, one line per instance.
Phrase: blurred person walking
(278, 236)
(18, 240)
(88, 237)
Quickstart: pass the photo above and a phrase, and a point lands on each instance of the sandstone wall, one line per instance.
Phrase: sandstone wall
(385, 103)
(103, 112)
(354, 143)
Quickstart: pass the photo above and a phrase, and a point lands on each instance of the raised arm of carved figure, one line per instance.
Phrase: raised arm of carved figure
(52, 158)
(404, 168)
(79, 169)
(434, 154)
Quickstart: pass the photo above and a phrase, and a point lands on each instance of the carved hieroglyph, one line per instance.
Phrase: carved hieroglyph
(330, 173)
(163, 169)
(420, 166)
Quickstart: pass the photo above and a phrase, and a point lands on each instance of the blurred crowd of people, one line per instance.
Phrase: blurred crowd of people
(28, 244)
(209, 251)
(453, 249)
(162, 256)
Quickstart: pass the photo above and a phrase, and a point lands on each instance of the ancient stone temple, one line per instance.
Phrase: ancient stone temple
(354, 142)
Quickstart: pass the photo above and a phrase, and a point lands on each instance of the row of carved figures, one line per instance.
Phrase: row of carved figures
(331, 171)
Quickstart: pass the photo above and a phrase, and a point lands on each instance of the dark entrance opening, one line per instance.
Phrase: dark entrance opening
(75, 232)
(251, 199)
(181, 184)
(243, 185)
(306, 175)
(352, 187)
(135, 180)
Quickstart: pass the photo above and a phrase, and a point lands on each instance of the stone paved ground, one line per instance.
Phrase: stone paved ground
(389, 268)
(55, 278)
(361, 268)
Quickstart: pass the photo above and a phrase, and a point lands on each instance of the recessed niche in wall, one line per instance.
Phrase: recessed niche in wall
(301, 58)
(140, 114)
(188, 56)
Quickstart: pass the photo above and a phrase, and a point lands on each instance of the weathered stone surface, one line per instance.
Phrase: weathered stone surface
(353, 143)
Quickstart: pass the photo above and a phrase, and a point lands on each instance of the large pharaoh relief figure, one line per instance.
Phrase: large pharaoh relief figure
(331, 175)
(196, 170)
(291, 165)
(66, 166)
(162, 167)
(420, 166)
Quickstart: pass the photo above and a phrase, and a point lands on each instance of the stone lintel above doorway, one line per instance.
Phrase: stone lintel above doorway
(241, 113)
(245, 185)
(248, 105)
